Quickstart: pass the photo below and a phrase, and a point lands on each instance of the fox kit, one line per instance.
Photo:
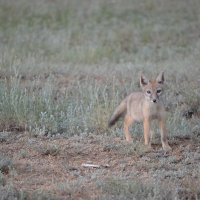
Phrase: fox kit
(144, 106)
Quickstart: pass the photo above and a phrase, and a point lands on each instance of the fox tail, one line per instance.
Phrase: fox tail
(119, 111)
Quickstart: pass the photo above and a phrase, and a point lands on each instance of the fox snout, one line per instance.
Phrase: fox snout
(152, 96)
(154, 100)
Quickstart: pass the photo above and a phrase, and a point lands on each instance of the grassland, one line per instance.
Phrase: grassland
(64, 67)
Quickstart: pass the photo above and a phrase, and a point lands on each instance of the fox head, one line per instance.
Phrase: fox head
(152, 89)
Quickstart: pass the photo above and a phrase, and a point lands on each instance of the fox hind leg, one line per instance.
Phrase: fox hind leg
(128, 120)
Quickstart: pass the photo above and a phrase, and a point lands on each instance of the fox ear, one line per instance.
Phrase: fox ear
(160, 78)
(143, 80)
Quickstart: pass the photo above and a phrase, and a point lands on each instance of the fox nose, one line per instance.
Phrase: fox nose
(154, 100)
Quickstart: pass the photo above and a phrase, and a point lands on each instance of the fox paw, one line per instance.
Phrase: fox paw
(129, 140)
(166, 147)
(149, 148)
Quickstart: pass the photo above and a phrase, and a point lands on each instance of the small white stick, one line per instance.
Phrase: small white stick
(90, 165)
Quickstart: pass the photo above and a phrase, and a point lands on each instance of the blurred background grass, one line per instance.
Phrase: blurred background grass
(91, 32)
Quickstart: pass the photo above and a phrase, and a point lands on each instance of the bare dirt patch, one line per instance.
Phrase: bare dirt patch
(55, 165)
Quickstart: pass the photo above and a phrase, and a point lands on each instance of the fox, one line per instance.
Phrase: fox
(144, 106)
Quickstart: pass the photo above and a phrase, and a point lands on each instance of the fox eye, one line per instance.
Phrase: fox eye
(158, 91)
(148, 92)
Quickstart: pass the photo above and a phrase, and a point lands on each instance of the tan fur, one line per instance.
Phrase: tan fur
(144, 106)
